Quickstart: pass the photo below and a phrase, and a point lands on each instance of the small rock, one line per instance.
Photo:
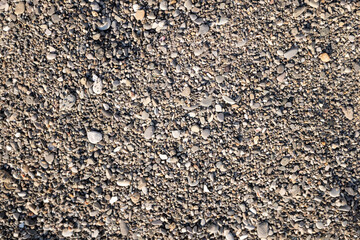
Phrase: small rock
(195, 128)
(263, 230)
(335, 192)
(51, 56)
(220, 117)
(205, 133)
(229, 236)
(348, 112)
(32, 208)
(98, 84)
(176, 134)
(188, 4)
(285, 161)
(186, 92)
(139, 15)
(123, 183)
(213, 228)
(164, 5)
(291, 53)
(324, 57)
(67, 233)
(20, 8)
(298, 11)
(281, 78)
(113, 200)
(228, 100)
(319, 225)
(124, 228)
(204, 28)
(219, 79)
(206, 102)
(198, 52)
(345, 208)
(149, 132)
(68, 102)
(94, 137)
(223, 20)
(49, 157)
(312, 3)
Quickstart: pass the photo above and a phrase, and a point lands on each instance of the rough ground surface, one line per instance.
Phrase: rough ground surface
(179, 119)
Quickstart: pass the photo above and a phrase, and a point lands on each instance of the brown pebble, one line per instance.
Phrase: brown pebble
(139, 15)
(324, 57)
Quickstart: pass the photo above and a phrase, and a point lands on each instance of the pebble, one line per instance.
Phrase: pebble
(163, 5)
(285, 161)
(324, 57)
(205, 133)
(319, 225)
(188, 5)
(123, 183)
(223, 21)
(291, 53)
(67, 233)
(149, 132)
(113, 200)
(263, 230)
(68, 102)
(176, 134)
(348, 112)
(313, 3)
(219, 79)
(213, 228)
(94, 137)
(228, 100)
(298, 11)
(335, 192)
(98, 85)
(195, 128)
(20, 8)
(203, 29)
(281, 78)
(139, 15)
(51, 56)
(124, 228)
(49, 157)
(220, 117)
(206, 102)
(186, 92)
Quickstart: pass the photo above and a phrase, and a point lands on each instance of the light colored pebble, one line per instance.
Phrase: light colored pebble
(94, 137)
(149, 132)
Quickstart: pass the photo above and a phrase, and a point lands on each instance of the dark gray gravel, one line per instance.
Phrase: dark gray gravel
(179, 119)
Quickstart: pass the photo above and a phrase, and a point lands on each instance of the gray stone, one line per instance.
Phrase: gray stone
(94, 137)
(298, 11)
(67, 233)
(205, 133)
(203, 29)
(263, 230)
(163, 5)
(188, 4)
(206, 102)
(51, 56)
(291, 53)
(176, 134)
(335, 192)
(149, 132)
(228, 100)
(19, 8)
(124, 228)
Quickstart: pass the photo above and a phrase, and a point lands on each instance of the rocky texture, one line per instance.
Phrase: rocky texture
(179, 119)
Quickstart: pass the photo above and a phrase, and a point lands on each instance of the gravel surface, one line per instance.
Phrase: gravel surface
(179, 119)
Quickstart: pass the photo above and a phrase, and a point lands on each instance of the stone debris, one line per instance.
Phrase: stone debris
(179, 119)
